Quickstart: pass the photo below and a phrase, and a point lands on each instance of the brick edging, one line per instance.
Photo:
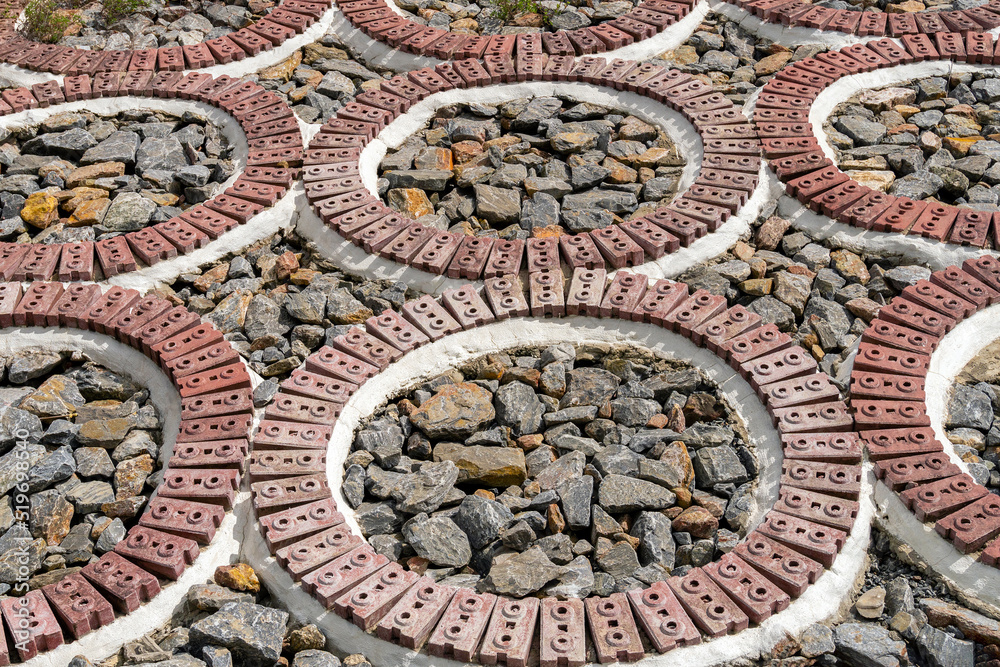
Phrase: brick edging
(807, 15)
(289, 18)
(275, 144)
(380, 22)
(781, 119)
(799, 537)
(200, 479)
(729, 175)
(890, 411)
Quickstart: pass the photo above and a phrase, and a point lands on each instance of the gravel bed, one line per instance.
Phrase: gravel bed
(936, 139)
(531, 167)
(155, 23)
(563, 470)
(510, 17)
(93, 449)
(80, 176)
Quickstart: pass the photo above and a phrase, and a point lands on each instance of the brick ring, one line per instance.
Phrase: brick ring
(307, 550)
(902, 372)
(728, 179)
(208, 412)
(787, 116)
(275, 151)
(382, 21)
(798, 13)
(289, 18)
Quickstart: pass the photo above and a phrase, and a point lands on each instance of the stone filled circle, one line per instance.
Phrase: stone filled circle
(94, 452)
(561, 471)
(531, 167)
(80, 176)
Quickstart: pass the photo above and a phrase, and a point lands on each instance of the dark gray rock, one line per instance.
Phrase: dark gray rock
(518, 408)
(718, 465)
(969, 408)
(575, 496)
(618, 494)
(482, 520)
(868, 645)
(656, 544)
(941, 649)
(520, 574)
(251, 632)
(439, 540)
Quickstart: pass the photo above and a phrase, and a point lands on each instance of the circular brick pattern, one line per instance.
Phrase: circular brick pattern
(275, 150)
(801, 535)
(386, 24)
(798, 13)
(891, 414)
(729, 174)
(200, 479)
(782, 121)
(289, 18)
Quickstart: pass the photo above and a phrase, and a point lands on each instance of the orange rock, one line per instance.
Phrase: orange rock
(410, 202)
(464, 151)
(548, 232)
(240, 577)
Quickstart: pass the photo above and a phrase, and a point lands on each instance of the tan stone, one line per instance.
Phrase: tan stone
(682, 55)
(216, 274)
(871, 603)
(314, 52)
(410, 201)
(490, 466)
(464, 151)
(162, 198)
(468, 24)
(959, 146)
(757, 286)
(240, 577)
(772, 63)
(82, 194)
(658, 157)
(283, 70)
(619, 172)
(876, 180)
(907, 7)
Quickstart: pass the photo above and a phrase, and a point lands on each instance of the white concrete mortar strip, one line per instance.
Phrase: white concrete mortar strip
(223, 550)
(821, 601)
(266, 223)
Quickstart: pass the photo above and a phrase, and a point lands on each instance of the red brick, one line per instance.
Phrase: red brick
(215, 486)
(934, 500)
(973, 526)
(368, 602)
(126, 584)
(787, 569)
(831, 478)
(710, 608)
(900, 473)
(818, 507)
(276, 434)
(302, 557)
(191, 520)
(506, 297)
(36, 625)
(161, 553)
(78, 604)
(342, 574)
(511, 631)
(661, 616)
(891, 443)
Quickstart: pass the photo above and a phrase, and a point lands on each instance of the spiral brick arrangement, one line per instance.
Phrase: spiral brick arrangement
(202, 476)
(827, 438)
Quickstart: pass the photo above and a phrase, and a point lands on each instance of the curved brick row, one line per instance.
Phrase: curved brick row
(729, 175)
(377, 20)
(807, 15)
(782, 122)
(275, 144)
(888, 401)
(290, 18)
(200, 480)
(801, 535)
